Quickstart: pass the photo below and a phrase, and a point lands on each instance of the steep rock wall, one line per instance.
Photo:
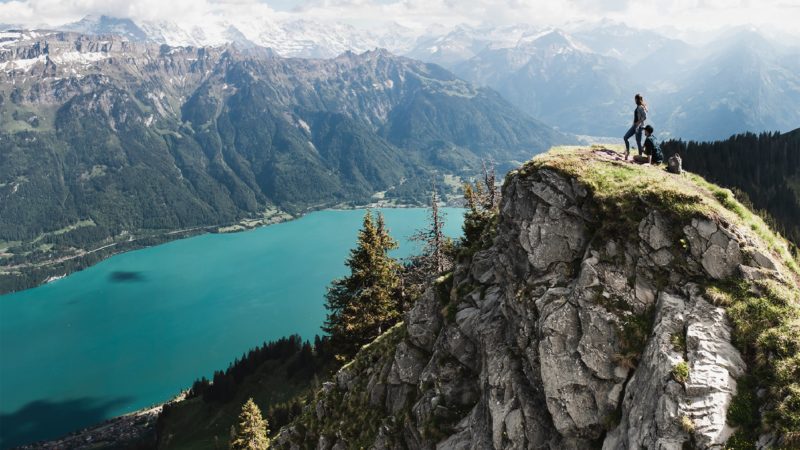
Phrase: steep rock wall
(570, 331)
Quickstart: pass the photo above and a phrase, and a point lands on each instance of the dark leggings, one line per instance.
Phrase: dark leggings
(638, 132)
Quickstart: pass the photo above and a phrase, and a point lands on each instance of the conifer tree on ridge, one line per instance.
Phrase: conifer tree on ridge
(251, 432)
(365, 303)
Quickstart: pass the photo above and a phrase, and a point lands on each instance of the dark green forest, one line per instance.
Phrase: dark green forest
(280, 375)
(763, 170)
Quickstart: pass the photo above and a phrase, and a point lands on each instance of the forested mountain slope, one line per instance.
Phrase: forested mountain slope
(103, 140)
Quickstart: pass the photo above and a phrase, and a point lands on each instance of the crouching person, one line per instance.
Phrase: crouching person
(651, 147)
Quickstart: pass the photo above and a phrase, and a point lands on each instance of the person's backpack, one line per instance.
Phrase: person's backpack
(674, 164)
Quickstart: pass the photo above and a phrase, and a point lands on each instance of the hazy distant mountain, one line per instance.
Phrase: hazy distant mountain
(610, 38)
(97, 25)
(745, 83)
(464, 42)
(555, 78)
(136, 136)
(581, 82)
(584, 82)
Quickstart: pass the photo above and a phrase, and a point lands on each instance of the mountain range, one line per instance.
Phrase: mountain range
(583, 82)
(580, 80)
(105, 139)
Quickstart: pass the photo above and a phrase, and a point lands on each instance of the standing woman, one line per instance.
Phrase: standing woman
(639, 116)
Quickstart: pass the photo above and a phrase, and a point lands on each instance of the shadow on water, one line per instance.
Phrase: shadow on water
(122, 276)
(43, 419)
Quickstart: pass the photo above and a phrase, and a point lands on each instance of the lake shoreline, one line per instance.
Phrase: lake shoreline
(135, 429)
(63, 267)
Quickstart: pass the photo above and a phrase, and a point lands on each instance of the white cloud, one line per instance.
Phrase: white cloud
(687, 15)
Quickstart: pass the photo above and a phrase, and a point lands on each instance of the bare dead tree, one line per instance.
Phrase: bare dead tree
(489, 180)
(436, 237)
(436, 256)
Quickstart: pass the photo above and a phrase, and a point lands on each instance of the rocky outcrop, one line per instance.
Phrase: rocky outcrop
(570, 331)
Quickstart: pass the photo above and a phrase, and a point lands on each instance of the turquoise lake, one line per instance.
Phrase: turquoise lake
(139, 327)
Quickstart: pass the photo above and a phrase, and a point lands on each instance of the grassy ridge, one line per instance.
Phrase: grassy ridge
(622, 189)
(764, 168)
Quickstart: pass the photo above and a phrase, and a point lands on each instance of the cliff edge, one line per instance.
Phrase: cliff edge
(614, 306)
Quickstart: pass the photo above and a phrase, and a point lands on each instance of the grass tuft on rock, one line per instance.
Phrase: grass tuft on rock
(680, 372)
(678, 341)
(687, 424)
(633, 333)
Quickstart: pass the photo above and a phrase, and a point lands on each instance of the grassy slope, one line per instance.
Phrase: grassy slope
(351, 415)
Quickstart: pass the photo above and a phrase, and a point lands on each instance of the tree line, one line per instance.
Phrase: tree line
(304, 360)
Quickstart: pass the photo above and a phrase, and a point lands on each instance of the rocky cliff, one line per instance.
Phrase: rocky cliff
(618, 306)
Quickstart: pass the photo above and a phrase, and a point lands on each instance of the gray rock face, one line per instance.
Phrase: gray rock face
(655, 403)
(565, 337)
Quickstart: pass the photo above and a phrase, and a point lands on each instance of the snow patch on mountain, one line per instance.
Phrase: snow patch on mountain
(23, 65)
(75, 57)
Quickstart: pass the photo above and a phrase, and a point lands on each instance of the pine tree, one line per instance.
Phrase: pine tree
(363, 304)
(251, 433)
(437, 243)
(483, 201)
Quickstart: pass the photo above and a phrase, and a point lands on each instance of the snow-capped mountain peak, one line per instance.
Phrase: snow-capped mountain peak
(100, 25)
(296, 38)
(554, 41)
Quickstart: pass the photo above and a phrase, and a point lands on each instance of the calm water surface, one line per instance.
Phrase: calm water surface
(137, 328)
